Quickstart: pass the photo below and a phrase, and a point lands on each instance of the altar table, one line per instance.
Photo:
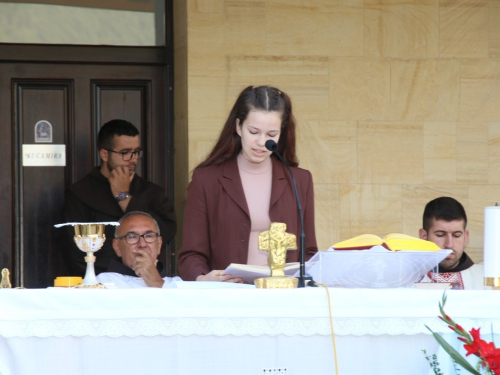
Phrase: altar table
(231, 331)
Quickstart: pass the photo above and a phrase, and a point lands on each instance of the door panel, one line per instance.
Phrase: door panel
(76, 99)
(38, 190)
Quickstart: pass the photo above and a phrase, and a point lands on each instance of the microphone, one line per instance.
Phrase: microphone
(273, 147)
(303, 279)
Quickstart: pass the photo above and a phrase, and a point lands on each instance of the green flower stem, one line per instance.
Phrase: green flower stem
(457, 357)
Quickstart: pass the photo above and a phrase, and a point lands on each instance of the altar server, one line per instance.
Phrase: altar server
(444, 223)
(241, 187)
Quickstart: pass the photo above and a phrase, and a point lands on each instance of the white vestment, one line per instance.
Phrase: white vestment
(128, 282)
(472, 277)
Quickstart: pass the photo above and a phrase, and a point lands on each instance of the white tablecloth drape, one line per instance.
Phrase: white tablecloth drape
(244, 331)
(62, 312)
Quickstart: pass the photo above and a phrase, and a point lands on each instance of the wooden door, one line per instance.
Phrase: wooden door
(76, 90)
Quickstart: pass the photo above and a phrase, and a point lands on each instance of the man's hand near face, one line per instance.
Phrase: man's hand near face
(119, 180)
(145, 266)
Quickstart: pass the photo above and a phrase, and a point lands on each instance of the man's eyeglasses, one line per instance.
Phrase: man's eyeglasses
(133, 238)
(128, 155)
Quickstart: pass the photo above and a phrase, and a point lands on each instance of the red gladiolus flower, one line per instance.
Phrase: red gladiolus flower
(475, 333)
(485, 350)
(491, 355)
(488, 354)
(494, 362)
(475, 346)
(472, 349)
(489, 350)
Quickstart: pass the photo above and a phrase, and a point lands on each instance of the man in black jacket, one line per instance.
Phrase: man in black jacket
(110, 191)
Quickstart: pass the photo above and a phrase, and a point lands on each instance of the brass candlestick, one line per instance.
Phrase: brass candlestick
(5, 283)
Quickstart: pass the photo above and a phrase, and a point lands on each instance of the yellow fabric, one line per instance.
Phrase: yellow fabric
(393, 241)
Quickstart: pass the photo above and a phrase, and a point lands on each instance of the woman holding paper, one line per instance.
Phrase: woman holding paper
(241, 188)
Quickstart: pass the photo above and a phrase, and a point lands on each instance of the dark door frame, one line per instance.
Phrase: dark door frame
(159, 56)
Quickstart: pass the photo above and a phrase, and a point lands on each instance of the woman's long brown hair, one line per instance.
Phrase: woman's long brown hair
(260, 98)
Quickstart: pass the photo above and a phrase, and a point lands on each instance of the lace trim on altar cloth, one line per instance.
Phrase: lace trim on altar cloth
(234, 327)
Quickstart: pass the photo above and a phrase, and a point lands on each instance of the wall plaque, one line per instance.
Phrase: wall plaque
(43, 132)
(44, 155)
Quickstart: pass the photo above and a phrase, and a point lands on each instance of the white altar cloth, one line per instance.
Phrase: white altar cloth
(243, 331)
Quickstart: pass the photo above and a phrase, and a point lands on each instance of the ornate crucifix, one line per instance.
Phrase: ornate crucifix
(276, 242)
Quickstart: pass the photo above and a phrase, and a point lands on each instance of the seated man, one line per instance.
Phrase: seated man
(444, 223)
(137, 243)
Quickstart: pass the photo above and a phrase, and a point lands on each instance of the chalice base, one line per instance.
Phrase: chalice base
(276, 282)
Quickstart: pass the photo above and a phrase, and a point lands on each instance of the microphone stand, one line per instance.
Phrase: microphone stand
(303, 279)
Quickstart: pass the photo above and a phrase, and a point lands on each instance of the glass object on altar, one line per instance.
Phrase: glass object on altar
(373, 268)
(89, 238)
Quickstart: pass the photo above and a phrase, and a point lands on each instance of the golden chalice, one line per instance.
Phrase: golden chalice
(89, 238)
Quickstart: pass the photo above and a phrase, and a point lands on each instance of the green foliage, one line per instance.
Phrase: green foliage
(433, 362)
(456, 356)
